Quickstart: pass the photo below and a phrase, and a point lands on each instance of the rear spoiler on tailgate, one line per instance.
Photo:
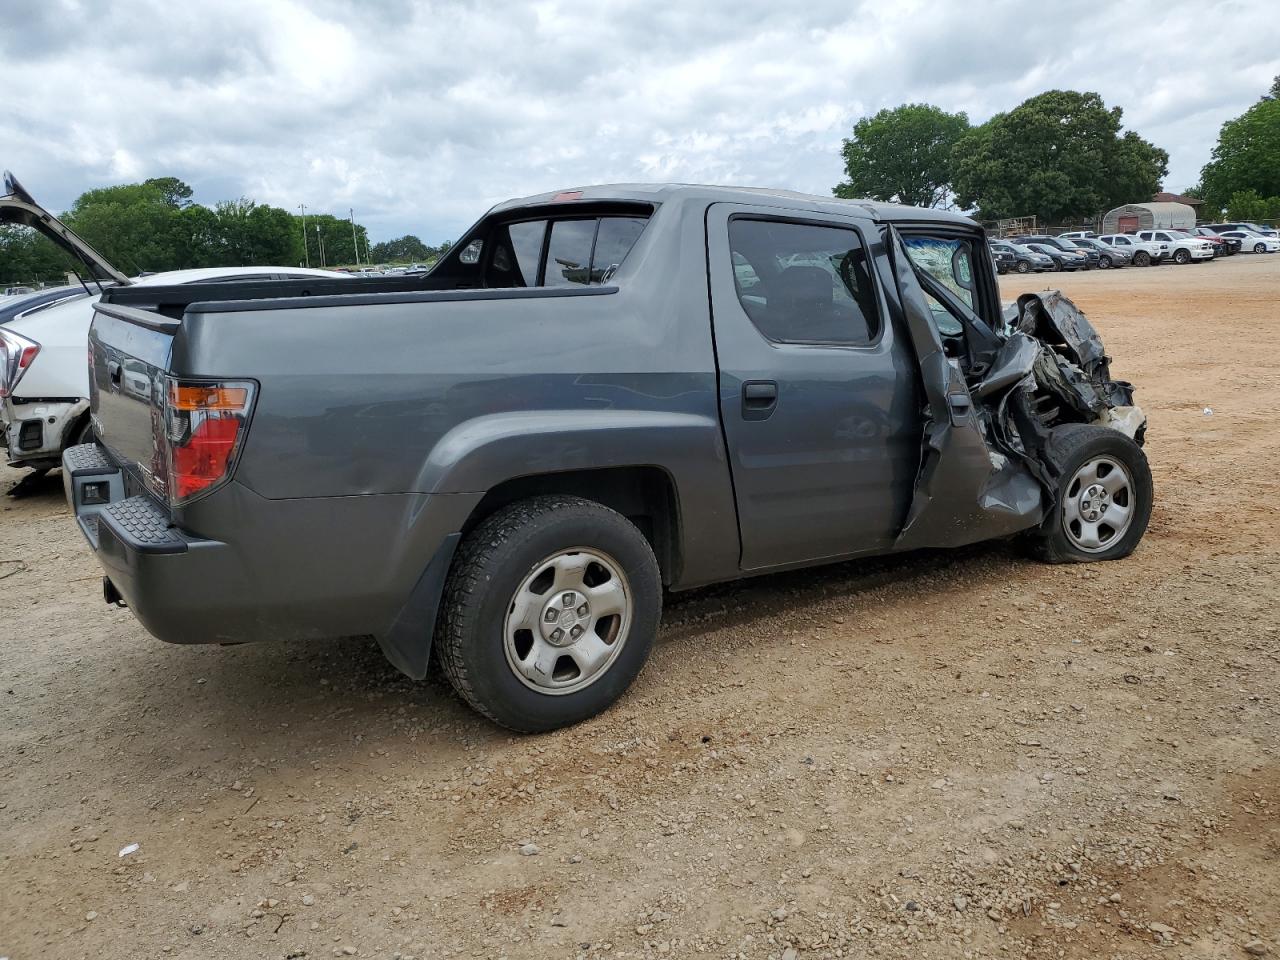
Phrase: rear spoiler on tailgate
(18, 207)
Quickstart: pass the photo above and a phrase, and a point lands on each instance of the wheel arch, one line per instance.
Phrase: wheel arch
(667, 466)
(646, 494)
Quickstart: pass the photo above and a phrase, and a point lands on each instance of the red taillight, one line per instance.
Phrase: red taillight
(204, 459)
(206, 423)
(16, 355)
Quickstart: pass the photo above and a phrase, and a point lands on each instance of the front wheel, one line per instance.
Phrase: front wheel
(550, 612)
(1182, 256)
(1259, 248)
(1142, 259)
(1023, 266)
(1104, 496)
(1104, 263)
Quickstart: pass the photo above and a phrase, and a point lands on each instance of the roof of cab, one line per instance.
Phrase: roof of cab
(663, 192)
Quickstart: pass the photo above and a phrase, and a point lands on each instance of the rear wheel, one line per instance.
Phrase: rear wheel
(1182, 256)
(1142, 259)
(1104, 497)
(549, 613)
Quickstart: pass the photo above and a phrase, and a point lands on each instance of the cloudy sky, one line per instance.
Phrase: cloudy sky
(422, 114)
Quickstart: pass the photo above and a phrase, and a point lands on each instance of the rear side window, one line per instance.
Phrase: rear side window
(614, 240)
(516, 251)
(569, 252)
(803, 283)
(561, 253)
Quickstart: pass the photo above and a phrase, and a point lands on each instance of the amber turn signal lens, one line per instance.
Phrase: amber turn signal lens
(211, 397)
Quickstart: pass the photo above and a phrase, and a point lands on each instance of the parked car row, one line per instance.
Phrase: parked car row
(1085, 249)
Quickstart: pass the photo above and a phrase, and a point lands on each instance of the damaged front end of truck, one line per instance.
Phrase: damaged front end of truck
(994, 397)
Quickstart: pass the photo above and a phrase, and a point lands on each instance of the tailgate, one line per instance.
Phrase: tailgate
(129, 356)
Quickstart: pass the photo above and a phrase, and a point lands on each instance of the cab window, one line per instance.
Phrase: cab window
(803, 282)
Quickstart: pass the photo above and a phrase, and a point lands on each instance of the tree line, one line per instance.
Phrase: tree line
(1061, 156)
(155, 225)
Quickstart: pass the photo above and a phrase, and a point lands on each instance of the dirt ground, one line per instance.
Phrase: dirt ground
(941, 755)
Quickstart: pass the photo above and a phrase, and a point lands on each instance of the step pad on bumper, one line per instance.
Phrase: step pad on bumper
(138, 520)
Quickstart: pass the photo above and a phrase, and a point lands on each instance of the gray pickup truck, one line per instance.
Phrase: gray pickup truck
(596, 395)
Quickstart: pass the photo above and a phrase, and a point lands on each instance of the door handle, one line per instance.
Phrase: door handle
(960, 404)
(759, 398)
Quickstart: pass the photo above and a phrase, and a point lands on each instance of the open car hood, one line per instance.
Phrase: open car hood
(18, 207)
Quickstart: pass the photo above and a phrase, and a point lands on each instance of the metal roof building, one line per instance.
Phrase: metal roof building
(1149, 216)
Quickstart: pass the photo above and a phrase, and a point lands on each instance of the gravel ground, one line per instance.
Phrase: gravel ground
(940, 755)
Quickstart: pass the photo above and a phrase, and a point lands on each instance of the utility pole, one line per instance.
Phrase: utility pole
(305, 251)
(320, 244)
(354, 243)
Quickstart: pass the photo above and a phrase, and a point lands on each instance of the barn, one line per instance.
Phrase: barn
(1149, 216)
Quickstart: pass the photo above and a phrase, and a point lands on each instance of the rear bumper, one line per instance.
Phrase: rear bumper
(288, 569)
(166, 577)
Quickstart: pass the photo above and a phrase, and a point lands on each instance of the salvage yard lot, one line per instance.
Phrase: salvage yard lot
(939, 755)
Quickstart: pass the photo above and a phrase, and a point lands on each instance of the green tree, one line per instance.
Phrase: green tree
(155, 225)
(175, 192)
(902, 155)
(26, 257)
(1058, 156)
(133, 225)
(335, 235)
(406, 249)
(244, 233)
(1247, 156)
(1250, 206)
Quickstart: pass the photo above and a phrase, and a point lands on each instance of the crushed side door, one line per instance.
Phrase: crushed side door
(987, 467)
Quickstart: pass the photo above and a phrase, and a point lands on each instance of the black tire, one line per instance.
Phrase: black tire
(1182, 256)
(1104, 263)
(1072, 446)
(1259, 248)
(1023, 266)
(1142, 259)
(489, 569)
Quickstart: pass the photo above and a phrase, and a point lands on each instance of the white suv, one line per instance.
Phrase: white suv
(1186, 248)
(1146, 253)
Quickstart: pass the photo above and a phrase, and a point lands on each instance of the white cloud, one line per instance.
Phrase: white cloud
(422, 114)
